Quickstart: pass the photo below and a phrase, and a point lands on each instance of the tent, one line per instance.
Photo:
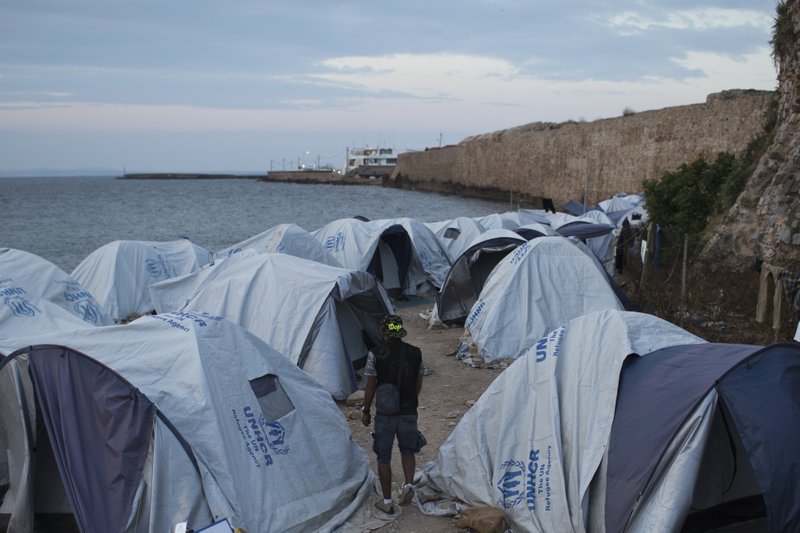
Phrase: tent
(469, 273)
(25, 275)
(576, 208)
(543, 283)
(455, 235)
(620, 421)
(402, 253)
(173, 418)
(507, 220)
(37, 296)
(534, 230)
(118, 273)
(288, 239)
(321, 318)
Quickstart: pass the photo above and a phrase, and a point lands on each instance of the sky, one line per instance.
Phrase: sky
(259, 85)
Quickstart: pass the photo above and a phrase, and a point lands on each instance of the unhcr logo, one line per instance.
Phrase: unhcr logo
(20, 306)
(511, 484)
(152, 267)
(335, 243)
(87, 311)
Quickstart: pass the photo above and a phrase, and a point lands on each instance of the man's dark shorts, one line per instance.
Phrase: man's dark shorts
(409, 440)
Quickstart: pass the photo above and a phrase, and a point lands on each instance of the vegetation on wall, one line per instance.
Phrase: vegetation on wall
(783, 34)
(685, 200)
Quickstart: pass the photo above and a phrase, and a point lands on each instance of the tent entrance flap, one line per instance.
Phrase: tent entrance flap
(100, 428)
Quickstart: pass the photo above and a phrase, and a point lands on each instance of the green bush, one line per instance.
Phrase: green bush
(685, 200)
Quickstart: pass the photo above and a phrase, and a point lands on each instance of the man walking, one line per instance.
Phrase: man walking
(394, 379)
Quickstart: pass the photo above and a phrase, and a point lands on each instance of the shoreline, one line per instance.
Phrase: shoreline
(281, 178)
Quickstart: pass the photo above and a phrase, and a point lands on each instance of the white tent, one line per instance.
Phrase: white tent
(288, 239)
(24, 276)
(623, 422)
(320, 317)
(174, 418)
(602, 245)
(455, 235)
(540, 285)
(118, 273)
(39, 297)
(507, 220)
(402, 253)
(468, 275)
(534, 441)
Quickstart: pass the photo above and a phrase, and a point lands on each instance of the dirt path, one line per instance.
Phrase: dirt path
(447, 394)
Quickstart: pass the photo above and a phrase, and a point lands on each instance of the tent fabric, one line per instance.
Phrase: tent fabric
(469, 273)
(299, 472)
(429, 261)
(535, 439)
(544, 283)
(292, 304)
(288, 239)
(24, 275)
(576, 208)
(100, 428)
(375, 245)
(507, 220)
(119, 273)
(455, 235)
(769, 383)
(535, 229)
(656, 393)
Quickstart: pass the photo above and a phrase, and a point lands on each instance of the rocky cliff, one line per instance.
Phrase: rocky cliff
(597, 159)
(765, 221)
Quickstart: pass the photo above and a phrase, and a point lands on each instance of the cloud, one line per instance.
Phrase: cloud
(631, 22)
(424, 92)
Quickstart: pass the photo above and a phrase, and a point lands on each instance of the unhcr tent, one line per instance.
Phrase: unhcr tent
(24, 276)
(507, 220)
(118, 273)
(455, 235)
(540, 285)
(583, 434)
(403, 254)
(321, 318)
(534, 230)
(174, 418)
(467, 276)
(288, 239)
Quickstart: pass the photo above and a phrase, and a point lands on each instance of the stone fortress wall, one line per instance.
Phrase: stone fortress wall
(564, 161)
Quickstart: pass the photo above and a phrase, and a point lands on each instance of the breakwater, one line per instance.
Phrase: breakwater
(186, 176)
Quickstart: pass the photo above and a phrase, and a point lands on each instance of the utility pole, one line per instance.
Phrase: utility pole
(440, 140)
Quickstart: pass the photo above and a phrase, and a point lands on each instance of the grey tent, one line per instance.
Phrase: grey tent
(174, 418)
(470, 271)
(622, 422)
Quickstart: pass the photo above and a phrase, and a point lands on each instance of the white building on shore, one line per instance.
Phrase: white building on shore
(376, 157)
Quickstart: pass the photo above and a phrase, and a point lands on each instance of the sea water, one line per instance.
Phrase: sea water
(64, 219)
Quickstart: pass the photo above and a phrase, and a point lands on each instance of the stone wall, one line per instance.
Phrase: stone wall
(765, 221)
(601, 158)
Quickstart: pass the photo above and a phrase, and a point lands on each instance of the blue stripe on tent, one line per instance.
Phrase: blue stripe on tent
(100, 428)
(763, 397)
(656, 394)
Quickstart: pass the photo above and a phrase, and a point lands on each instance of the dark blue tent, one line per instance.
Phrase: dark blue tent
(750, 468)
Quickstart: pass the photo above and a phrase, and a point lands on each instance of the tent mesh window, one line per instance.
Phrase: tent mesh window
(452, 233)
(272, 399)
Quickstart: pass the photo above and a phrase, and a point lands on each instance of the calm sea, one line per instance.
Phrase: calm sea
(65, 219)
